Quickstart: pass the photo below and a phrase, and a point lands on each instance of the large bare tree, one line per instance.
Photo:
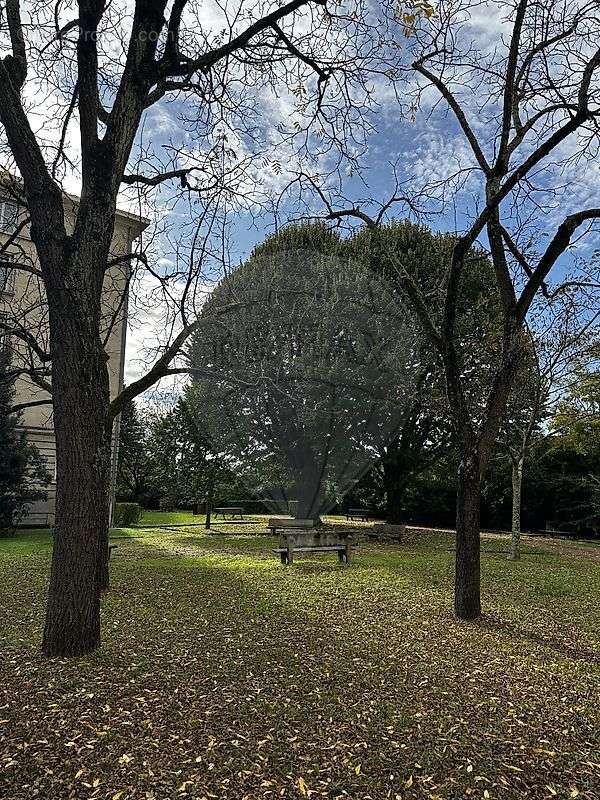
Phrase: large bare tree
(79, 85)
(538, 113)
(517, 86)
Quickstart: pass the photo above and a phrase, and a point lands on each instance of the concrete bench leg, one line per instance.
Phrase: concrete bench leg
(290, 556)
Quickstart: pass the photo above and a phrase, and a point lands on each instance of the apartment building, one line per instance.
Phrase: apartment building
(22, 298)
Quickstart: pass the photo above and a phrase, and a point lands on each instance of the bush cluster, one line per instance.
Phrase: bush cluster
(127, 514)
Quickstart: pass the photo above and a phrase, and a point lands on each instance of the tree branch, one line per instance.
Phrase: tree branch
(460, 115)
(557, 246)
(510, 89)
(17, 63)
(33, 404)
(205, 62)
(160, 367)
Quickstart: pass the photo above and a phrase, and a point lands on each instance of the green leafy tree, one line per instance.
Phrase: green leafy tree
(576, 427)
(561, 487)
(425, 433)
(557, 349)
(134, 470)
(184, 468)
(578, 414)
(307, 379)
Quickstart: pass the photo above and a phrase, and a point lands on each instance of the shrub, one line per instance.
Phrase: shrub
(127, 514)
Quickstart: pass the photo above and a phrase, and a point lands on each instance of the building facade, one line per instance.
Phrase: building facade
(23, 307)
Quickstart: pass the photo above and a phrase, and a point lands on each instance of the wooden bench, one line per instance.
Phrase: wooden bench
(298, 540)
(343, 550)
(359, 513)
(282, 523)
(39, 519)
(234, 512)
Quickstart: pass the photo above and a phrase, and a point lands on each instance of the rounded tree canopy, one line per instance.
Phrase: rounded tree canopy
(303, 369)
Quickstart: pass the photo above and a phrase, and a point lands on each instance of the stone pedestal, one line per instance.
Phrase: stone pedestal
(314, 538)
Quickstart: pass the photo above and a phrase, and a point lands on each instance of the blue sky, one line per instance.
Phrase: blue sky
(422, 140)
(424, 149)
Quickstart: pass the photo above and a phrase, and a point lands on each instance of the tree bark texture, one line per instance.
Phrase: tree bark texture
(467, 598)
(83, 440)
(517, 484)
(395, 482)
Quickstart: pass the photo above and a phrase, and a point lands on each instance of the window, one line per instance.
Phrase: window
(7, 274)
(9, 213)
(50, 464)
(4, 340)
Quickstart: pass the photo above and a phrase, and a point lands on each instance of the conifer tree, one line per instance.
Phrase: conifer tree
(23, 475)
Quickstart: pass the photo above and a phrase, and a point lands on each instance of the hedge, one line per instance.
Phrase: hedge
(127, 514)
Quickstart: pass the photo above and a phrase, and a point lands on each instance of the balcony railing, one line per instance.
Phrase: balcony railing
(9, 214)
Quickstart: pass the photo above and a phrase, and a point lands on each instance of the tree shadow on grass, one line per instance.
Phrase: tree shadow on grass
(391, 572)
(248, 544)
(515, 630)
(271, 605)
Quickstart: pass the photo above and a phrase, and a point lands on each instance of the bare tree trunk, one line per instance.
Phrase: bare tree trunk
(80, 554)
(517, 483)
(82, 429)
(395, 481)
(209, 506)
(309, 493)
(467, 599)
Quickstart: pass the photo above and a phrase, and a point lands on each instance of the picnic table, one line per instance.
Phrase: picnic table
(359, 513)
(233, 512)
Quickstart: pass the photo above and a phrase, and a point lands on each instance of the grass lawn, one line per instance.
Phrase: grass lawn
(167, 518)
(225, 675)
(150, 518)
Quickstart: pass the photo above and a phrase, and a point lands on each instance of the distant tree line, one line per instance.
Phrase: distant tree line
(561, 487)
(166, 462)
(219, 440)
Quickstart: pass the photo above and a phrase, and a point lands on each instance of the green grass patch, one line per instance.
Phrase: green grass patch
(152, 518)
(26, 541)
(225, 675)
